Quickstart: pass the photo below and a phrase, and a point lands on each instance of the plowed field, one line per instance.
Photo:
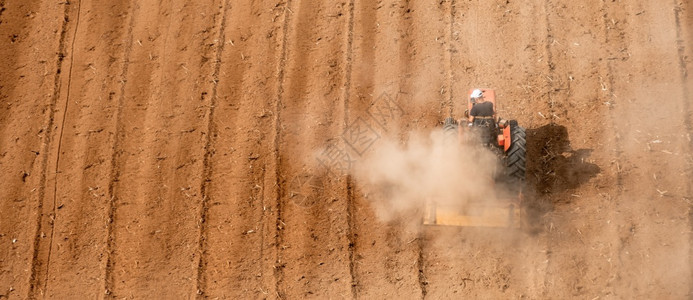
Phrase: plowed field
(180, 149)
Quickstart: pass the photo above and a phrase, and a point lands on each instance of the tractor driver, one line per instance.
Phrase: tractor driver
(482, 111)
(482, 116)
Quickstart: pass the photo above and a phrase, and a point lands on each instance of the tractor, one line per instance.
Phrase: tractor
(507, 140)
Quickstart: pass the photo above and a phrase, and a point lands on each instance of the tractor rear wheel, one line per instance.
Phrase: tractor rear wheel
(450, 130)
(450, 124)
(516, 155)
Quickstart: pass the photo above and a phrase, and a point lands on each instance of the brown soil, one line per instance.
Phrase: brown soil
(202, 149)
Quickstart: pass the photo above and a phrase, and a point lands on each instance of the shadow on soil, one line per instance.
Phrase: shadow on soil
(553, 167)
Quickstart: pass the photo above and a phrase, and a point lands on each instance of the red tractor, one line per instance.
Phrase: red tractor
(507, 140)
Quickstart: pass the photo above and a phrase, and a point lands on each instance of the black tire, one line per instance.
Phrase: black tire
(450, 130)
(450, 124)
(516, 157)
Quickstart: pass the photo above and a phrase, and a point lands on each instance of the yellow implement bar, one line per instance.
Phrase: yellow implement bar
(506, 214)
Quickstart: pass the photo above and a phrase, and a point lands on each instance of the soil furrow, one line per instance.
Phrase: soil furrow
(461, 37)
(2, 9)
(369, 25)
(421, 263)
(684, 35)
(210, 135)
(348, 60)
(415, 92)
(60, 140)
(546, 93)
(117, 152)
(24, 115)
(549, 87)
(681, 39)
(449, 103)
(278, 206)
(607, 76)
(41, 251)
(351, 236)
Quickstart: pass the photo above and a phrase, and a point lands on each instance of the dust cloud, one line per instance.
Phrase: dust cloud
(403, 175)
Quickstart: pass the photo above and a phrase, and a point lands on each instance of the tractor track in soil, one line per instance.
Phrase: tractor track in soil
(185, 149)
(407, 71)
(549, 40)
(116, 155)
(683, 53)
(348, 58)
(208, 151)
(62, 127)
(37, 261)
(608, 74)
(16, 64)
(2, 9)
(279, 224)
(449, 51)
